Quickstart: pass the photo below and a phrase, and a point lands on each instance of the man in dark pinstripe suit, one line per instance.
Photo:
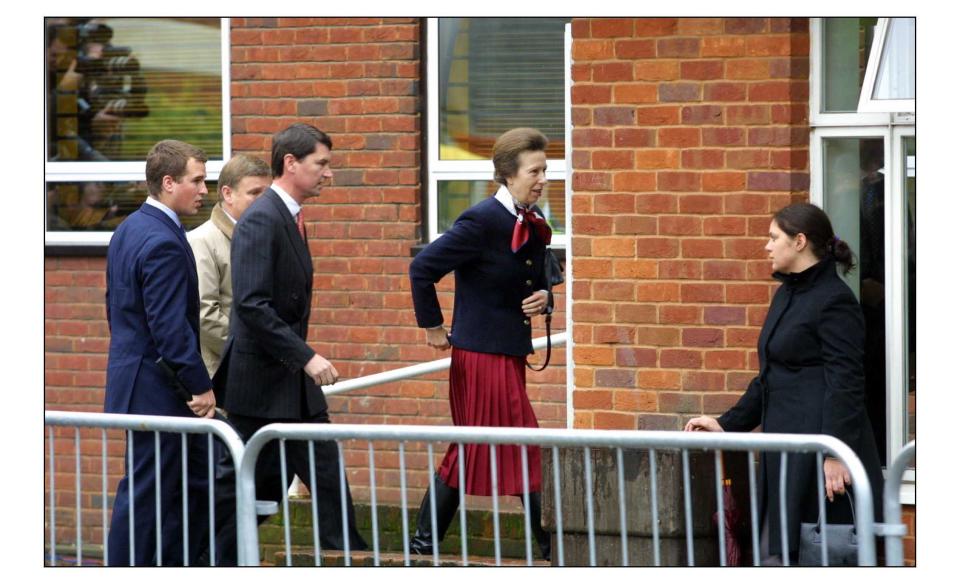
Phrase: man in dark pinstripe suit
(269, 373)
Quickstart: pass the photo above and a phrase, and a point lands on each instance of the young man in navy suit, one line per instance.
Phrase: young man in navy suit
(153, 313)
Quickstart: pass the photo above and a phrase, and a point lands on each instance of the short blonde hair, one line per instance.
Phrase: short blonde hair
(238, 168)
(509, 146)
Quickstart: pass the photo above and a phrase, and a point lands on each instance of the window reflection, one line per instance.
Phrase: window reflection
(496, 74)
(101, 206)
(116, 86)
(846, 48)
(456, 196)
(873, 282)
(854, 180)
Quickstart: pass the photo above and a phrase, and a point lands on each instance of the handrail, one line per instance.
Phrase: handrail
(558, 340)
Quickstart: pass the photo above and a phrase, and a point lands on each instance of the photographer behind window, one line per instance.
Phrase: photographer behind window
(108, 86)
(113, 89)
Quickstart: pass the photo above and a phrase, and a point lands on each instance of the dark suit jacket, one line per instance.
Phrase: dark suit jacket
(491, 280)
(152, 311)
(811, 382)
(262, 370)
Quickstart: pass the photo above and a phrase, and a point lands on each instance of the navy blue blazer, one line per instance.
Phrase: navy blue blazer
(153, 310)
(490, 280)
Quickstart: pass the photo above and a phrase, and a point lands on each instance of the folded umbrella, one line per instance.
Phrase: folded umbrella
(731, 518)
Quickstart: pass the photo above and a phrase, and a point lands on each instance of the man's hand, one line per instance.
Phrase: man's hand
(321, 371)
(437, 338)
(835, 476)
(204, 405)
(535, 303)
(703, 424)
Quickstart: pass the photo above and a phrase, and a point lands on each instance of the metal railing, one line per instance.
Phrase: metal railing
(554, 439)
(893, 528)
(245, 457)
(557, 340)
(131, 423)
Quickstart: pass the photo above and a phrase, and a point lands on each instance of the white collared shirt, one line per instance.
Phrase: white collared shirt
(292, 205)
(506, 199)
(166, 210)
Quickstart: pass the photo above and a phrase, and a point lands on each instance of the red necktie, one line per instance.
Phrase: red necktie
(300, 227)
(521, 229)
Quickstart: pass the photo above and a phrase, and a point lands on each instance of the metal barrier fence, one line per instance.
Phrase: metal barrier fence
(131, 423)
(893, 528)
(554, 439)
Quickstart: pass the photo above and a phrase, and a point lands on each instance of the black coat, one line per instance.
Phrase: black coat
(811, 382)
(272, 274)
(491, 280)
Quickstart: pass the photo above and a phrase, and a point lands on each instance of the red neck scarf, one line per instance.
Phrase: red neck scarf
(521, 229)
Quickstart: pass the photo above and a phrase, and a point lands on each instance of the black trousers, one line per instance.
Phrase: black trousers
(270, 487)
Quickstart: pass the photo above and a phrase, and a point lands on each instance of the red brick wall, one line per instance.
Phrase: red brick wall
(688, 134)
(910, 540)
(76, 336)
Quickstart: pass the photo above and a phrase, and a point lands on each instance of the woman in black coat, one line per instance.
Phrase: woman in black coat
(496, 251)
(811, 377)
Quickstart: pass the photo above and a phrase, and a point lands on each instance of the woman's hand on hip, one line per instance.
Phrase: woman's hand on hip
(535, 304)
(703, 424)
(437, 338)
(835, 477)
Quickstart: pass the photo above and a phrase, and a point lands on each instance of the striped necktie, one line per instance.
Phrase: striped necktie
(300, 227)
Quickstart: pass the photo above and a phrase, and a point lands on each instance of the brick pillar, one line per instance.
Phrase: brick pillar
(688, 134)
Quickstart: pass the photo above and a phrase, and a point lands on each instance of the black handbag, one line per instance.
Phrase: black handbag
(841, 542)
(554, 273)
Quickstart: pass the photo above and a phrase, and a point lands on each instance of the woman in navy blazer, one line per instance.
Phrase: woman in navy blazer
(496, 251)
(811, 377)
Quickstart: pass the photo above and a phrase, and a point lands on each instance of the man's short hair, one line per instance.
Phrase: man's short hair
(238, 168)
(169, 158)
(300, 140)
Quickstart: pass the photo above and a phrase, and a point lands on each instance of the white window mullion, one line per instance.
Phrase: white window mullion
(568, 181)
(893, 297)
(432, 98)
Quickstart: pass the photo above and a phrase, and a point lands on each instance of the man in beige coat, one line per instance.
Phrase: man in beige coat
(242, 180)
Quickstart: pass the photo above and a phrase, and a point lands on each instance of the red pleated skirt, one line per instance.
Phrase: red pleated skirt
(490, 390)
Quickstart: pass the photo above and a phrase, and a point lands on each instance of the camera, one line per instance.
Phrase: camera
(112, 79)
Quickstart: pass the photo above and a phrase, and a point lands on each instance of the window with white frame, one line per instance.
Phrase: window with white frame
(486, 76)
(863, 166)
(115, 87)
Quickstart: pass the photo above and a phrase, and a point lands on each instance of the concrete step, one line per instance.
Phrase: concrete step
(480, 536)
(302, 557)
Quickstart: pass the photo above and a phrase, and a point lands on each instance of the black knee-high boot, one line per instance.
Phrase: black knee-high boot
(542, 537)
(448, 500)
